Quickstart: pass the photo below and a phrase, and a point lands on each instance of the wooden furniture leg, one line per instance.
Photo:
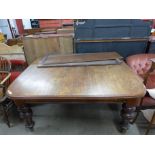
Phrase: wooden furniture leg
(127, 114)
(6, 116)
(137, 114)
(25, 113)
(138, 110)
(7, 104)
(150, 124)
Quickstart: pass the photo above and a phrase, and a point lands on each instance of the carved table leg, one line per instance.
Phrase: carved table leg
(25, 113)
(127, 114)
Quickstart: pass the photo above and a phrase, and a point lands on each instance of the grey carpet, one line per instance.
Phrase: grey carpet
(64, 119)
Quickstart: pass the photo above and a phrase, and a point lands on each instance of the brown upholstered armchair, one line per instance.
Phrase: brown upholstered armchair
(142, 65)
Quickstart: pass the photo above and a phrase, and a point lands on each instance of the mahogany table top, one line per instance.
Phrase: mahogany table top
(80, 82)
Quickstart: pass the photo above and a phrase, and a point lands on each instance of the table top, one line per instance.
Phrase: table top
(80, 82)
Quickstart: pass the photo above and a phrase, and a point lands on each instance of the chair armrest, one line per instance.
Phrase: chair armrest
(5, 79)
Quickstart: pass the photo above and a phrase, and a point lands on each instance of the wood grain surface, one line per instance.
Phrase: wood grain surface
(37, 46)
(78, 58)
(86, 82)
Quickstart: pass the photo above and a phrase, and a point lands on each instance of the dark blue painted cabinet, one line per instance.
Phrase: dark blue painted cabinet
(105, 35)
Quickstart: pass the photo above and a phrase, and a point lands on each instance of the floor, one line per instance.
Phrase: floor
(64, 119)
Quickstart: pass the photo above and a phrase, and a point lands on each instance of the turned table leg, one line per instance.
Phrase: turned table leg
(25, 113)
(127, 114)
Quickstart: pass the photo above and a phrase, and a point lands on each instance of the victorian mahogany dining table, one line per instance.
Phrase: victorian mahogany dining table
(84, 84)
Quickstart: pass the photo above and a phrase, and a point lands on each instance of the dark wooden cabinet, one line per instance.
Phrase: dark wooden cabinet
(125, 36)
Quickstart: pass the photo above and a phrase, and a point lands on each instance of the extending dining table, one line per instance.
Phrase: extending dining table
(78, 78)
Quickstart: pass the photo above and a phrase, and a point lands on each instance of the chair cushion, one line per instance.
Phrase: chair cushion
(17, 62)
(18, 65)
(14, 75)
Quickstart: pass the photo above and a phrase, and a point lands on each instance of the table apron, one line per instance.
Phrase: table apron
(128, 101)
